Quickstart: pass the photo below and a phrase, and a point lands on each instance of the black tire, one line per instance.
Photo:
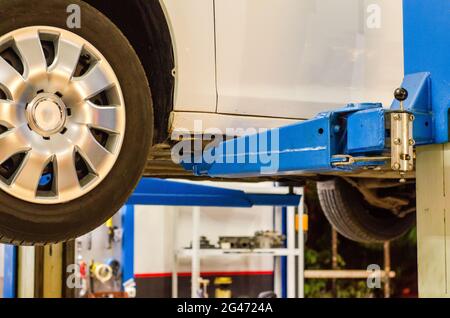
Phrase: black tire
(346, 210)
(26, 223)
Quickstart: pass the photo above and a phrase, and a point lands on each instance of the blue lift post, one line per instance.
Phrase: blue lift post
(10, 272)
(158, 192)
(427, 49)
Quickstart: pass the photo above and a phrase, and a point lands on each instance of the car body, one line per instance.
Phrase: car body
(272, 62)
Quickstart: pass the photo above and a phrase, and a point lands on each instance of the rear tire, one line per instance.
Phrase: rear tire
(350, 215)
(28, 223)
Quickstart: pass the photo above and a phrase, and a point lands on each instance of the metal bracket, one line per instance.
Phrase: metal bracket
(347, 160)
(402, 142)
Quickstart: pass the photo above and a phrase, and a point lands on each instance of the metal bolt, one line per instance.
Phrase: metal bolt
(396, 116)
(397, 141)
(336, 128)
(405, 156)
(411, 117)
(396, 166)
(412, 142)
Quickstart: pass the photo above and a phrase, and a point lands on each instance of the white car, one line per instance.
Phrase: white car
(90, 92)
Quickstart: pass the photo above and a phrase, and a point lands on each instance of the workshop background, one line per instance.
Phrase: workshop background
(249, 275)
(161, 242)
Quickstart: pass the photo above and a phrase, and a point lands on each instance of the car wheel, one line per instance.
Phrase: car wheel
(75, 121)
(347, 211)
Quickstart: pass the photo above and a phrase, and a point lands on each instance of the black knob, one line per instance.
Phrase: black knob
(401, 94)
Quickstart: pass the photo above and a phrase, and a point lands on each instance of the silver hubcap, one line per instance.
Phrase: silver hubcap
(46, 114)
(62, 115)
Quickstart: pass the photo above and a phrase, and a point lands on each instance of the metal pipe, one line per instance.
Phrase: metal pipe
(334, 258)
(343, 274)
(387, 269)
(195, 252)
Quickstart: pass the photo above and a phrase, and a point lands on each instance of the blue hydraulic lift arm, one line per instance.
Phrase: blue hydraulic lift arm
(151, 191)
(357, 135)
(346, 139)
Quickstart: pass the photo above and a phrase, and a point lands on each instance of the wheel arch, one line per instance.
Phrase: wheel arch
(144, 23)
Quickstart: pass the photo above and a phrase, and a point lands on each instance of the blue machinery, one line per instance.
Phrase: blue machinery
(161, 192)
(358, 135)
(10, 272)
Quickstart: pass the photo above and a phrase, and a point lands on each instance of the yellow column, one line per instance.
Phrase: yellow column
(433, 220)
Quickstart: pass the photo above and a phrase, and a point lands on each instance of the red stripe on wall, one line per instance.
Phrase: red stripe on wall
(205, 274)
